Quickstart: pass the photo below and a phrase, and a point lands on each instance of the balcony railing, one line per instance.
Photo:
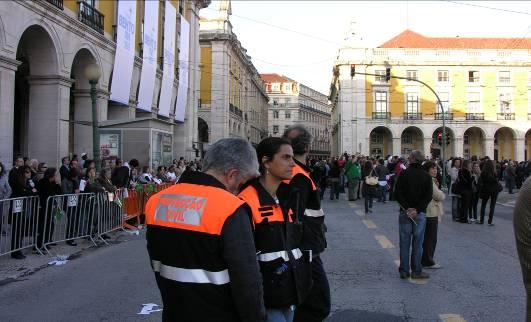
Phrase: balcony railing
(506, 116)
(412, 116)
(446, 116)
(90, 16)
(381, 115)
(475, 116)
(57, 3)
(235, 110)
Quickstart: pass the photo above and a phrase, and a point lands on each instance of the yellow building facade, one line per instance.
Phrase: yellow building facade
(484, 86)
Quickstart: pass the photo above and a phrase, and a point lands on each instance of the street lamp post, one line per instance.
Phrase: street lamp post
(93, 73)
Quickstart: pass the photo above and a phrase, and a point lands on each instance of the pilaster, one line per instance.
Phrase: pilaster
(7, 104)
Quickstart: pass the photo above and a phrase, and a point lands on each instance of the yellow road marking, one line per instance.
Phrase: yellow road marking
(384, 242)
(369, 223)
(422, 282)
(451, 318)
(353, 205)
(359, 213)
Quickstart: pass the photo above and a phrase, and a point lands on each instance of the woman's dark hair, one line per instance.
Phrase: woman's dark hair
(145, 169)
(160, 167)
(49, 173)
(367, 167)
(2, 170)
(488, 169)
(21, 174)
(428, 165)
(268, 147)
(73, 173)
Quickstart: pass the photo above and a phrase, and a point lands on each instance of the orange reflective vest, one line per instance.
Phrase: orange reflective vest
(297, 169)
(184, 242)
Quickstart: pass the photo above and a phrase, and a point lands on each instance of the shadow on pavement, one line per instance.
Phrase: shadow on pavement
(358, 315)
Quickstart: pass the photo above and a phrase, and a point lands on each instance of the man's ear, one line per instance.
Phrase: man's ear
(231, 174)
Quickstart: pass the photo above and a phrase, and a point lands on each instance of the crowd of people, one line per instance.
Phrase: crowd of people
(75, 175)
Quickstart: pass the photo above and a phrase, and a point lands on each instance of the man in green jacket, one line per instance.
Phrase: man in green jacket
(353, 172)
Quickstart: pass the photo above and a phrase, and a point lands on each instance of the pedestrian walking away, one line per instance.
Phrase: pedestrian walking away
(286, 269)
(200, 241)
(308, 210)
(414, 191)
(489, 187)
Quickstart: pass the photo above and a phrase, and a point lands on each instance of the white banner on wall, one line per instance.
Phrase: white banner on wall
(168, 74)
(125, 52)
(184, 63)
(149, 49)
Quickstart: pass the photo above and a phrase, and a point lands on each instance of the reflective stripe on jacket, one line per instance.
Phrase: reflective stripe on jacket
(286, 273)
(184, 237)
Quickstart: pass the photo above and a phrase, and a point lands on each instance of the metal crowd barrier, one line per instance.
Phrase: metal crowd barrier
(109, 207)
(18, 223)
(69, 217)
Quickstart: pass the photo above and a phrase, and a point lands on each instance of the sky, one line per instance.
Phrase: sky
(301, 39)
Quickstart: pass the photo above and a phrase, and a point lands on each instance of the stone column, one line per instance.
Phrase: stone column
(397, 144)
(458, 148)
(49, 104)
(7, 109)
(82, 126)
(489, 147)
(519, 151)
(427, 146)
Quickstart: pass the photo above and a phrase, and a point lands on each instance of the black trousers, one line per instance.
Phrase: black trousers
(493, 196)
(466, 202)
(44, 223)
(473, 211)
(316, 307)
(430, 241)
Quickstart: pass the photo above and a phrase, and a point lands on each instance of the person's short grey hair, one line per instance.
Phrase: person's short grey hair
(417, 155)
(299, 137)
(229, 154)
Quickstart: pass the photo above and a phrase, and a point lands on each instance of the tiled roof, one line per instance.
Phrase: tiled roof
(411, 39)
(276, 78)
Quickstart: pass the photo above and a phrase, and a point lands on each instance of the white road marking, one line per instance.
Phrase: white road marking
(449, 317)
(369, 223)
(384, 242)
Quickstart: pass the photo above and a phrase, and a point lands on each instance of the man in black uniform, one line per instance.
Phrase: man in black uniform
(316, 307)
(200, 241)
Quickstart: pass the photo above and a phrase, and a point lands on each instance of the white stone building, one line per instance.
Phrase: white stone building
(233, 98)
(45, 105)
(484, 85)
(291, 102)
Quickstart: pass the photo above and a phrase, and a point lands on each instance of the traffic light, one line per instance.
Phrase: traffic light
(352, 71)
(439, 138)
(387, 74)
(447, 138)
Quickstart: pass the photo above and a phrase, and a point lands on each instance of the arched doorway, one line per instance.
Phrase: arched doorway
(34, 105)
(438, 140)
(504, 142)
(381, 142)
(411, 139)
(80, 111)
(473, 143)
(528, 145)
(202, 130)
